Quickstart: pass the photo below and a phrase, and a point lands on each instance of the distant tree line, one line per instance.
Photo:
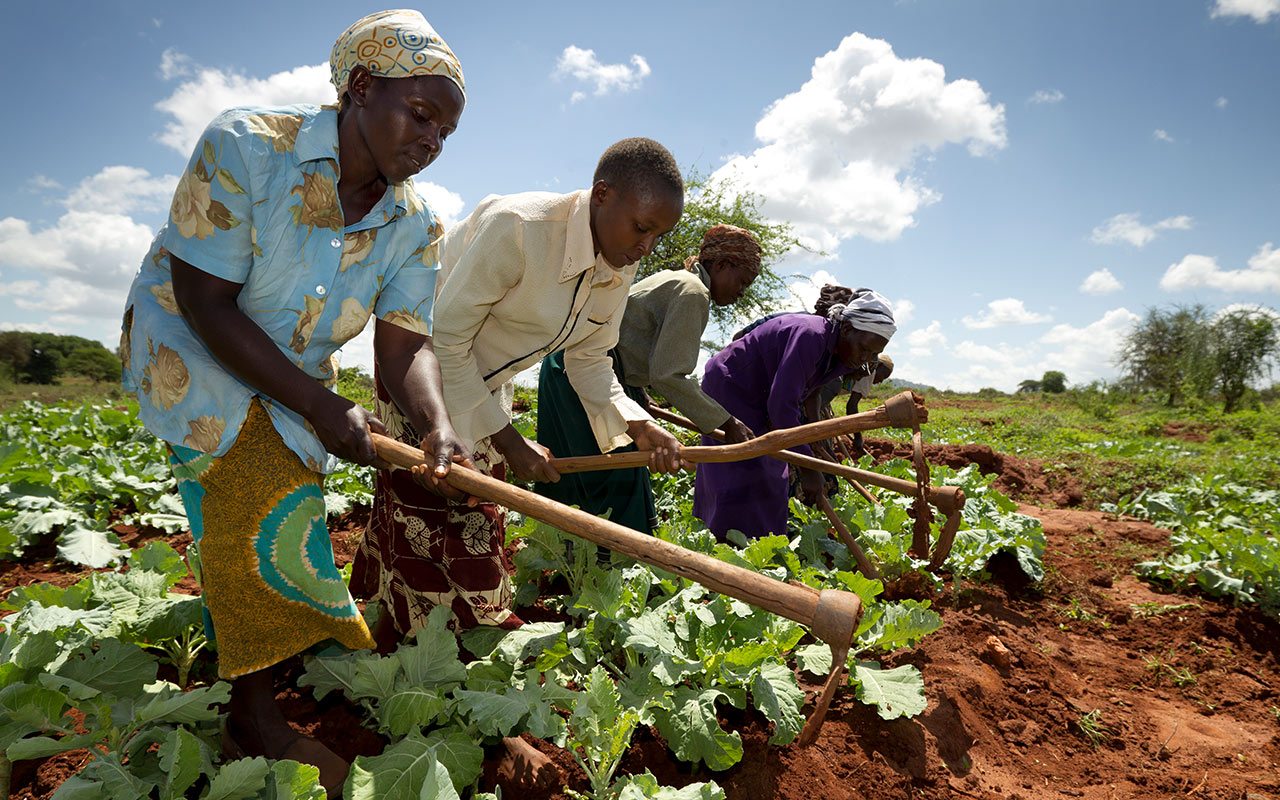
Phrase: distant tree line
(1053, 382)
(46, 357)
(1184, 353)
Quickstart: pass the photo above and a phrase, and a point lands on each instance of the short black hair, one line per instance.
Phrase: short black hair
(640, 164)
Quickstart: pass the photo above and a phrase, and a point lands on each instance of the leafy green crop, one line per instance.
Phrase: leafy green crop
(76, 472)
(639, 647)
(1224, 538)
(79, 648)
(990, 525)
(68, 470)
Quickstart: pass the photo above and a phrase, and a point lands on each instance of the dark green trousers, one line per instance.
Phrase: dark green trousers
(563, 428)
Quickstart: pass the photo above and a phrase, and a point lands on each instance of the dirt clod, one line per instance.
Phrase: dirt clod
(997, 653)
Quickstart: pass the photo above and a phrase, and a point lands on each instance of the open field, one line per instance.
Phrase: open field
(1113, 450)
(71, 389)
(1069, 648)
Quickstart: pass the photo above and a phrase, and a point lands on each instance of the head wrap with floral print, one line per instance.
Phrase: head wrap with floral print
(393, 44)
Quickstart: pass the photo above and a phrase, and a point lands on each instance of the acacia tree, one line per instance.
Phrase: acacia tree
(710, 203)
(1053, 382)
(1246, 343)
(1169, 353)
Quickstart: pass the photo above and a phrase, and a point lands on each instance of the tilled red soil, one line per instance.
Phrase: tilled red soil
(1184, 690)
(1020, 478)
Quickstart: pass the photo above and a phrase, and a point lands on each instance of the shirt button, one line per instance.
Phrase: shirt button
(336, 242)
(320, 290)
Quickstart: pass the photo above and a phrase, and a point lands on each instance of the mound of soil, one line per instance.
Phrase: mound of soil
(1019, 478)
(1182, 687)
(1188, 431)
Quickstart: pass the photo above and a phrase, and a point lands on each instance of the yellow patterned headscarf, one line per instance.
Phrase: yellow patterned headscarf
(393, 44)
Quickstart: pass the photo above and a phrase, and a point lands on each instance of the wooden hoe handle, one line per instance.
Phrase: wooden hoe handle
(949, 500)
(832, 615)
(782, 455)
(901, 410)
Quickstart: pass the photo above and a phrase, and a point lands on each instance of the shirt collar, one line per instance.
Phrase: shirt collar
(579, 250)
(318, 136)
(702, 274)
(318, 139)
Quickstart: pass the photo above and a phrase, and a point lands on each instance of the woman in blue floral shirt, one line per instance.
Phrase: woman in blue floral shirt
(289, 228)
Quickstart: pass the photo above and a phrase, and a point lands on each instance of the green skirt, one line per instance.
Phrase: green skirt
(625, 495)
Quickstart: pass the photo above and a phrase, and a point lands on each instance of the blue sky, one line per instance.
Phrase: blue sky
(1023, 179)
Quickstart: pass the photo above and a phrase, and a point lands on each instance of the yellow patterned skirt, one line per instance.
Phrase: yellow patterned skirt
(261, 551)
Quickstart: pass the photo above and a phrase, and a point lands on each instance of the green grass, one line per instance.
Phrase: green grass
(1114, 450)
(72, 389)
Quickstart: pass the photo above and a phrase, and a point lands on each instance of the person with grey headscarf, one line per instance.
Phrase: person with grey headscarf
(763, 379)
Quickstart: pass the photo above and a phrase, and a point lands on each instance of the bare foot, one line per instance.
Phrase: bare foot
(242, 738)
(255, 726)
(523, 771)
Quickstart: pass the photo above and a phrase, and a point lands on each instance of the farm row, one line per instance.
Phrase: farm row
(114, 665)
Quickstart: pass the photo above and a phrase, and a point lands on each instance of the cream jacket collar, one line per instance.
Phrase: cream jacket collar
(580, 251)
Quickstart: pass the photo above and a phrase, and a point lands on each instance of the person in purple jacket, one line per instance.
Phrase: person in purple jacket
(762, 379)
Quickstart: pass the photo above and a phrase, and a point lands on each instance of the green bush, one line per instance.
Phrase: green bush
(356, 385)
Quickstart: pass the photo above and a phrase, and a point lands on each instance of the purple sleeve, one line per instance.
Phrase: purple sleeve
(801, 351)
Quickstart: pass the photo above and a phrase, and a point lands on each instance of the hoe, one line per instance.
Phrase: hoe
(832, 615)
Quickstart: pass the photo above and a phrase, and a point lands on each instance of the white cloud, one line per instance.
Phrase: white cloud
(837, 154)
(1178, 223)
(972, 351)
(43, 182)
(1253, 309)
(209, 91)
(31, 327)
(980, 365)
(64, 295)
(1161, 135)
(923, 341)
(1259, 10)
(1046, 96)
(174, 64)
(1261, 275)
(583, 65)
(100, 248)
(1086, 354)
(19, 288)
(122, 190)
(1129, 228)
(903, 312)
(1008, 311)
(446, 204)
(805, 289)
(1083, 354)
(1220, 103)
(1101, 282)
